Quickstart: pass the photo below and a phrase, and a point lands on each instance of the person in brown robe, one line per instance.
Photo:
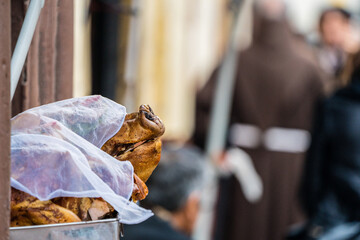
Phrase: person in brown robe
(276, 87)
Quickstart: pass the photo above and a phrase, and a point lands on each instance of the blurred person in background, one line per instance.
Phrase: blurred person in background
(331, 182)
(338, 40)
(275, 93)
(174, 196)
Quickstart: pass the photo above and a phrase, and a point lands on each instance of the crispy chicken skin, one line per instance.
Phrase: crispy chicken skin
(138, 141)
(138, 127)
(140, 189)
(144, 158)
(27, 210)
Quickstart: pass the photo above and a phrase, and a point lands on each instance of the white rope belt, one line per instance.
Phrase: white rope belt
(273, 139)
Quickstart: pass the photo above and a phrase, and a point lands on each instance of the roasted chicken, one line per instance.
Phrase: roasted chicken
(137, 141)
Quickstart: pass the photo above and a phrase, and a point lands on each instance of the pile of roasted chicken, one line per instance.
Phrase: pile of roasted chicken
(138, 141)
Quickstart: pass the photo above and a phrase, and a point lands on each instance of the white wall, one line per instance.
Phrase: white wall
(82, 57)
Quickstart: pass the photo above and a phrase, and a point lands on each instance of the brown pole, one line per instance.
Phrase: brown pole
(65, 50)
(5, 59)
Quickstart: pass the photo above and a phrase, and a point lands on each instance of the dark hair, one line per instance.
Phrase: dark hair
(179, 173)
(344, 13)
(355, 61)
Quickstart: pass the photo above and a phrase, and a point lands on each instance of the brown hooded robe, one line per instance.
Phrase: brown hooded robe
(275, 87)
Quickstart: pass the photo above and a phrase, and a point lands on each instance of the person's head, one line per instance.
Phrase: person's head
(271, 9)
(334, 24)
(175, 185)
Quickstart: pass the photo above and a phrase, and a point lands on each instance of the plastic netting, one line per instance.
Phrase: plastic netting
(55, 152)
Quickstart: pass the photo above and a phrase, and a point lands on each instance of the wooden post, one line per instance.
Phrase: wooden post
(5, 58)
(65, 50)
(48, 72)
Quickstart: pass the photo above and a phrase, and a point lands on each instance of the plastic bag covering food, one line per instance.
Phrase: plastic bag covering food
(55, 152)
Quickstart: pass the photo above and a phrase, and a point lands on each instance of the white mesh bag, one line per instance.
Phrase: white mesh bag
(55, 152)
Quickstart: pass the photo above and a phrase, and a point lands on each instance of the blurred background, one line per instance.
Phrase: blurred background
(159, 52)
(169, 54)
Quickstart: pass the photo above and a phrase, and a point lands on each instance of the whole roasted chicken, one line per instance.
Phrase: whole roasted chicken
(138, 141)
